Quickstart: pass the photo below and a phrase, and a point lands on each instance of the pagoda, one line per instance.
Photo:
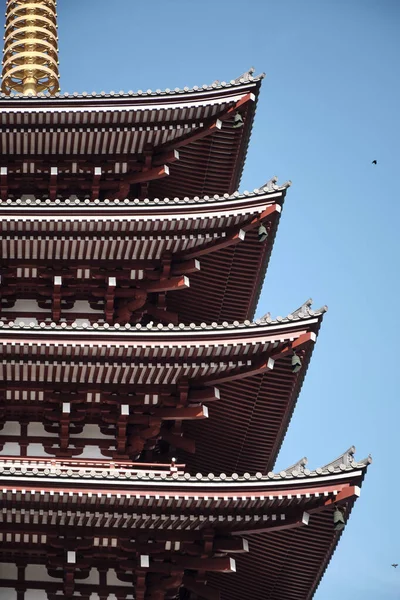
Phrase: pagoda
(142, 408)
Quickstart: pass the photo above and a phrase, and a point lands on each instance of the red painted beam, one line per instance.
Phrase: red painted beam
(264, 365)
(230, 240)
(219, 565)
(298, 344)
(212, 127)
(274, 526)
(149, 175)
(271, 212)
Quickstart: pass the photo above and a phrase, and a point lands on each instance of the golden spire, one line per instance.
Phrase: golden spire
(30, 62)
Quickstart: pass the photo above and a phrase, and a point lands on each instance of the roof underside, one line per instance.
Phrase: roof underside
(282, 565)
(39, 241)
(78, 134)
(246, 425)
(286, 518)
(245, 430)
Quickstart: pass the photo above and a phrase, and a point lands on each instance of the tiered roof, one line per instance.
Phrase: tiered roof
(248, 363)
(130, 272)
(213, 241)
(187, 135)
(278, 527)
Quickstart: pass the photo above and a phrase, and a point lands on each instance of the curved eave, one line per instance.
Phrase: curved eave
(287, 565)
(138, 209)
(210, 165)
(334, 543)
(283, 563)
(228, 284)
(96, 334)
(290, 487)
(262, 268)
(245, 431)
(246, 425)
(94, 101)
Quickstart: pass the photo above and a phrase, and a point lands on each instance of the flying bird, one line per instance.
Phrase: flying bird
(374, 162)
(395, 565)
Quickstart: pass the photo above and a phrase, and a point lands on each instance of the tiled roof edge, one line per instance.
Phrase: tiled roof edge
(47, 466)
(241, 81)
(297, 316)
(270, 187)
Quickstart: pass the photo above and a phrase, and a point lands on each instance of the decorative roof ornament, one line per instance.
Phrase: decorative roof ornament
(30, 62)
(270, 185)
(266, 318)
(305, 310)
(247, 76)
(346, 461)
(14, 467)
(298, 468)
(302, 312)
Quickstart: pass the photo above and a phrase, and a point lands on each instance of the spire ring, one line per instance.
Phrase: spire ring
(30, 62)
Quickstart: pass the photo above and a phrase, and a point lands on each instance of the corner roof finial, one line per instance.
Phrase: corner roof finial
(30, 62)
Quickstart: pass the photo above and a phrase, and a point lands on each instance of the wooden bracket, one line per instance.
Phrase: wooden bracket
(64, 425)
(109, 300)
(53, 183)
(297, 344)
(231, 239)
(56, 305)
(96, 183)
(3, 183)
(121, 428)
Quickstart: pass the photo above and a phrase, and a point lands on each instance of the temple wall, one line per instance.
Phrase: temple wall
(10, 594)
(112, 579)
(8, 571)
(25, 308)
(13, 428)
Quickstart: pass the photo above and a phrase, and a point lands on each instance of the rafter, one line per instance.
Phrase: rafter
(230, 239)
(209, 128)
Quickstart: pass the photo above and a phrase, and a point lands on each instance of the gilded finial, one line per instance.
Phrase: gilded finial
(30, 63)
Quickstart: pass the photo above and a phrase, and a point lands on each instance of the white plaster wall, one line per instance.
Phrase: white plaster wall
(36, 595)
(38, 429)
(95, 596)
(10, 449)
(112, 579)
(37, 450)
(82, 306)
(11, 428)
(91, 452)
(9, 594)
(8, 571)
(25, 307)
(93, 578)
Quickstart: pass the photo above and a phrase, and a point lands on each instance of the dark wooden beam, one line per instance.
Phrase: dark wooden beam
(200, 589)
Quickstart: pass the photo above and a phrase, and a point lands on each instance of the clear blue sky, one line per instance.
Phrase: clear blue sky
(329, 106)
